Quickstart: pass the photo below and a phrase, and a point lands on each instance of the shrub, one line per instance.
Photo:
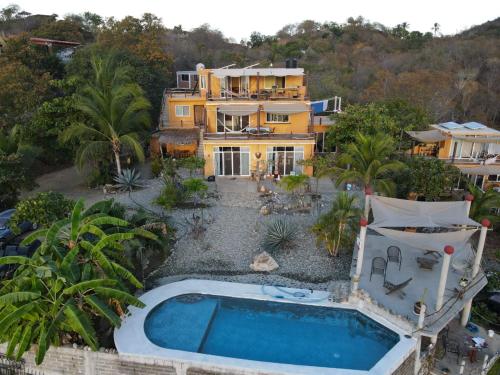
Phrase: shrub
(156, 166)
(42, 210)
(192, 163)
(280, 235)
(128, 180)
(171, 195)
(294, 183)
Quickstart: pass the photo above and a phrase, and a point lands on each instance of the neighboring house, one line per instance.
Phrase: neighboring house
(472, 147)
(241, 121)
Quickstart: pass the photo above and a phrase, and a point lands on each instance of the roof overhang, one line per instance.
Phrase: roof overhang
(276, 72)
(428, 136)
(177, 136)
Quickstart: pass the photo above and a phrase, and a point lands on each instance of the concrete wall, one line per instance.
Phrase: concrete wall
(70, 361)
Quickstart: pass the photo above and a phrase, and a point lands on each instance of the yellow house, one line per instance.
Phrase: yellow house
(249, 121)
(472, 147)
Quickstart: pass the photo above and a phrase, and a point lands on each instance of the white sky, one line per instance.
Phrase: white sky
(238, 18)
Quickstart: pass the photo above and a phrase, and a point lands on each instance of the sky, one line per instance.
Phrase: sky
(237, 19)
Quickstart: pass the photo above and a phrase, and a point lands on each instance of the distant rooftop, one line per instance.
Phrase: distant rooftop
(466, 129)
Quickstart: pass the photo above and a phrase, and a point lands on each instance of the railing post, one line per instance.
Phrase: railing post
(363, 222)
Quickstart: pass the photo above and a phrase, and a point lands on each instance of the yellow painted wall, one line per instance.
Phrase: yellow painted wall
(444, 149)
(254, 148)
(298, 123)
(321, 128)
(181, 121)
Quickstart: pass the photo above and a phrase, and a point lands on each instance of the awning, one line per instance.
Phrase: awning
(263, 72)
(481, 170)
(178, 136)
(429, 241)
(238, 109)
(493, 139)
(428, 136)
(394, 213)
(285, 108)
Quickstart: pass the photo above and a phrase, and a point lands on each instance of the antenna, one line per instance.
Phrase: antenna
(227, 66)
(251, 66)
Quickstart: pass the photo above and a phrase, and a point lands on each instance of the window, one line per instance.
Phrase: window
(228, 123)
(203, 82)
(185, 77)
(274, 117)
(494, 177)
(182, 110)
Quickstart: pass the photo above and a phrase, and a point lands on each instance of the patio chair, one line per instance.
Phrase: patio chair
(394, 255)
(393, 288)
(379, 267)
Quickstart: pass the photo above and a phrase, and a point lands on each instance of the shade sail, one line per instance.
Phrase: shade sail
(428, 136)
(238, 109)
(392, 212)
(285, 108)
(263, 72)
(429, 241)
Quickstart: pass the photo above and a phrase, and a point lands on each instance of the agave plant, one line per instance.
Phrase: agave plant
(280, 234)
(73, 278)
(128, 180)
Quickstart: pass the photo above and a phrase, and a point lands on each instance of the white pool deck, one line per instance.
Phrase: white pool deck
(130, 338)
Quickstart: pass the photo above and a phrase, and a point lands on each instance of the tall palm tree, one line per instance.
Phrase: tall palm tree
(484, 204)
(339, 224)
(368, 163)
(73, 277)
(117, 110)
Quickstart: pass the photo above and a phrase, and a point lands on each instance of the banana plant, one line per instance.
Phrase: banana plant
(73, 279)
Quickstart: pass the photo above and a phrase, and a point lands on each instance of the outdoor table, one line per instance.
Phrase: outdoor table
(426, 263)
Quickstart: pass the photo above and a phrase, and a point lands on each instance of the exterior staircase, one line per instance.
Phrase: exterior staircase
(163, 120)
(199, 151)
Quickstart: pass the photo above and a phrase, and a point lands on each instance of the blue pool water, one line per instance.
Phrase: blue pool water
(269, 331)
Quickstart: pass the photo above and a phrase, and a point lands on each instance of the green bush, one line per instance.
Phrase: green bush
(280, 235)
(42, 210)
(156, 167)
(171, 195)
(192, 163)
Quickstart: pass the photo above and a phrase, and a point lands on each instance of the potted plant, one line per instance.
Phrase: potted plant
(418, 305)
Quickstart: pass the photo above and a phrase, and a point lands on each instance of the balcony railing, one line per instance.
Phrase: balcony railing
(182, 93)
(289, 93)
(250, 136)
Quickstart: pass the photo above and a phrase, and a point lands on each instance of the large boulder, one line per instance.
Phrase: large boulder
(263, 263)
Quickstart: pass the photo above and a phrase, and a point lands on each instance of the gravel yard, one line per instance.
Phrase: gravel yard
(234, 231)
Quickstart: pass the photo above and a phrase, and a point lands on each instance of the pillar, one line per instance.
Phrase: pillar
(420, 325)
(448, 251)
(361, 251)
(485, 223)
(368, 193)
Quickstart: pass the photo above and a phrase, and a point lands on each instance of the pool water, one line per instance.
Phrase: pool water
(269, 331)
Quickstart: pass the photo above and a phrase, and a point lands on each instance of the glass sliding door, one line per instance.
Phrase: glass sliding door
(284, 160)
(229, 124)
(232, 161)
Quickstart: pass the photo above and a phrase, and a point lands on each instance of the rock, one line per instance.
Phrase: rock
(264, 210)
(262, 189)
(264, 262)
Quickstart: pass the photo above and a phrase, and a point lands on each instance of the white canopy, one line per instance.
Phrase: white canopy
(429, 241)
(392, 212)
(285, 108)
(238, 109)
(276, 72)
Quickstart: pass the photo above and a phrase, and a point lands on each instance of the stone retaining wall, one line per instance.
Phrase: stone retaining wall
(70, 361)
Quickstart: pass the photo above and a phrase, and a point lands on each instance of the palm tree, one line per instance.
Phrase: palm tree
(339, 224)
(294, 183)
(322, 166)
(72, 278)
(368, 163)
(484, 204)
(116, 108)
